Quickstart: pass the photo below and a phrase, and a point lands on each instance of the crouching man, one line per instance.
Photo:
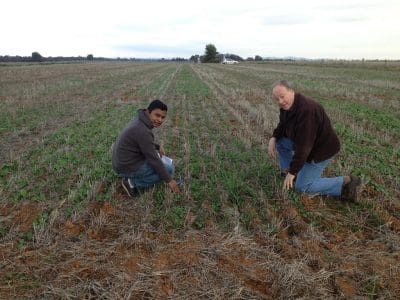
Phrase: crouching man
(136, 157)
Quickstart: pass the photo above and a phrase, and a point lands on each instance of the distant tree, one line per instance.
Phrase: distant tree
(234, 57)
(210, 55)
(249, 59)
(219, 58)
(36, 56)
(17, 58)
(90, 57)
(258, 58)
(178, 59)
(195, 58)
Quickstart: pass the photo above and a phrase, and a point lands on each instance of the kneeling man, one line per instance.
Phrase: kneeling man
(136, 157)
(306, 141)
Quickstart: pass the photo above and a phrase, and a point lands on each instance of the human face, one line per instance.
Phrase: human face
(283, 96)
(157, 117)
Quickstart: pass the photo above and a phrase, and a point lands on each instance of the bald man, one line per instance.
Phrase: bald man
(305, 142)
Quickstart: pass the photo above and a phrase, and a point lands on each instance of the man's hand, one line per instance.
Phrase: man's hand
(289, 181)
(161, 151)
(272, 147)
(174, 186)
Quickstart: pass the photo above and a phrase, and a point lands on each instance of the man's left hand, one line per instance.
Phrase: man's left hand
(289, 181)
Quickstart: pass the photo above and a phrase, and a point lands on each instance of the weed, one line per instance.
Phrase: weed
(3, 231)
(24, 239)
(176, 216)
(371, 287)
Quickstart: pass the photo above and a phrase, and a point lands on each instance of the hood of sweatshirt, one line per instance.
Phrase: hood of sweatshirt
(143, 116)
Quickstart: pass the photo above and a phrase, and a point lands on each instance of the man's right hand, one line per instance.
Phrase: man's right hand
(174, 186)
(272, 147)
(161, 151)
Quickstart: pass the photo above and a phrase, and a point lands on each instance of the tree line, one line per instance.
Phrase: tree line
(211, 55)
(37, 57)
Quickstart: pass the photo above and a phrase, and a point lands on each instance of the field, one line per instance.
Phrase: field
(69, 231)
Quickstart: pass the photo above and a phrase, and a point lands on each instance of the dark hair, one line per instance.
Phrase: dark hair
(157, 104)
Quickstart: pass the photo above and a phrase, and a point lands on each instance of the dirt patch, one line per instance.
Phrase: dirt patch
(5, 209)
(132, 264)
(243, 268)
(129, 95)
(72, 229)
(293, 221)
(310, 203)
(105, 207)
(391, 221)
(24, 215)
(169, 264)
(346, 286)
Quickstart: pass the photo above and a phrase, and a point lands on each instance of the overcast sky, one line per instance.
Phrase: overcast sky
(348, 29)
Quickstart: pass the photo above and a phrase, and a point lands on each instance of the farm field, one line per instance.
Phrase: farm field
(68, 230)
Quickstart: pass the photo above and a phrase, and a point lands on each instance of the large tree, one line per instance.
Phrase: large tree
(210, 55)
(36, 56)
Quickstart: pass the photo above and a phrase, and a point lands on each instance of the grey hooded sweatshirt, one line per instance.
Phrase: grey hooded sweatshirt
(135, 145)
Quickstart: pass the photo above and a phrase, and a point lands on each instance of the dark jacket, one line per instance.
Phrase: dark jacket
(309, 127)
(135, 145)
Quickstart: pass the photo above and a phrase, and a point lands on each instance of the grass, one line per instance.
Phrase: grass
(65, 157)
(232, 232)
(35, 105)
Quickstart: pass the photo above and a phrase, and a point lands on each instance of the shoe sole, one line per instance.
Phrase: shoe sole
(126, 189)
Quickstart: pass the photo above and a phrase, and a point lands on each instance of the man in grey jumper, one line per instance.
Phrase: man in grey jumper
(136, 157)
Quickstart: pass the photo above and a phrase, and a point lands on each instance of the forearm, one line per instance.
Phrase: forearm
(300, 156)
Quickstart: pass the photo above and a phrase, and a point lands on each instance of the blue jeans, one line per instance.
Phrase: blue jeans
(309, 179)
(146, 176)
